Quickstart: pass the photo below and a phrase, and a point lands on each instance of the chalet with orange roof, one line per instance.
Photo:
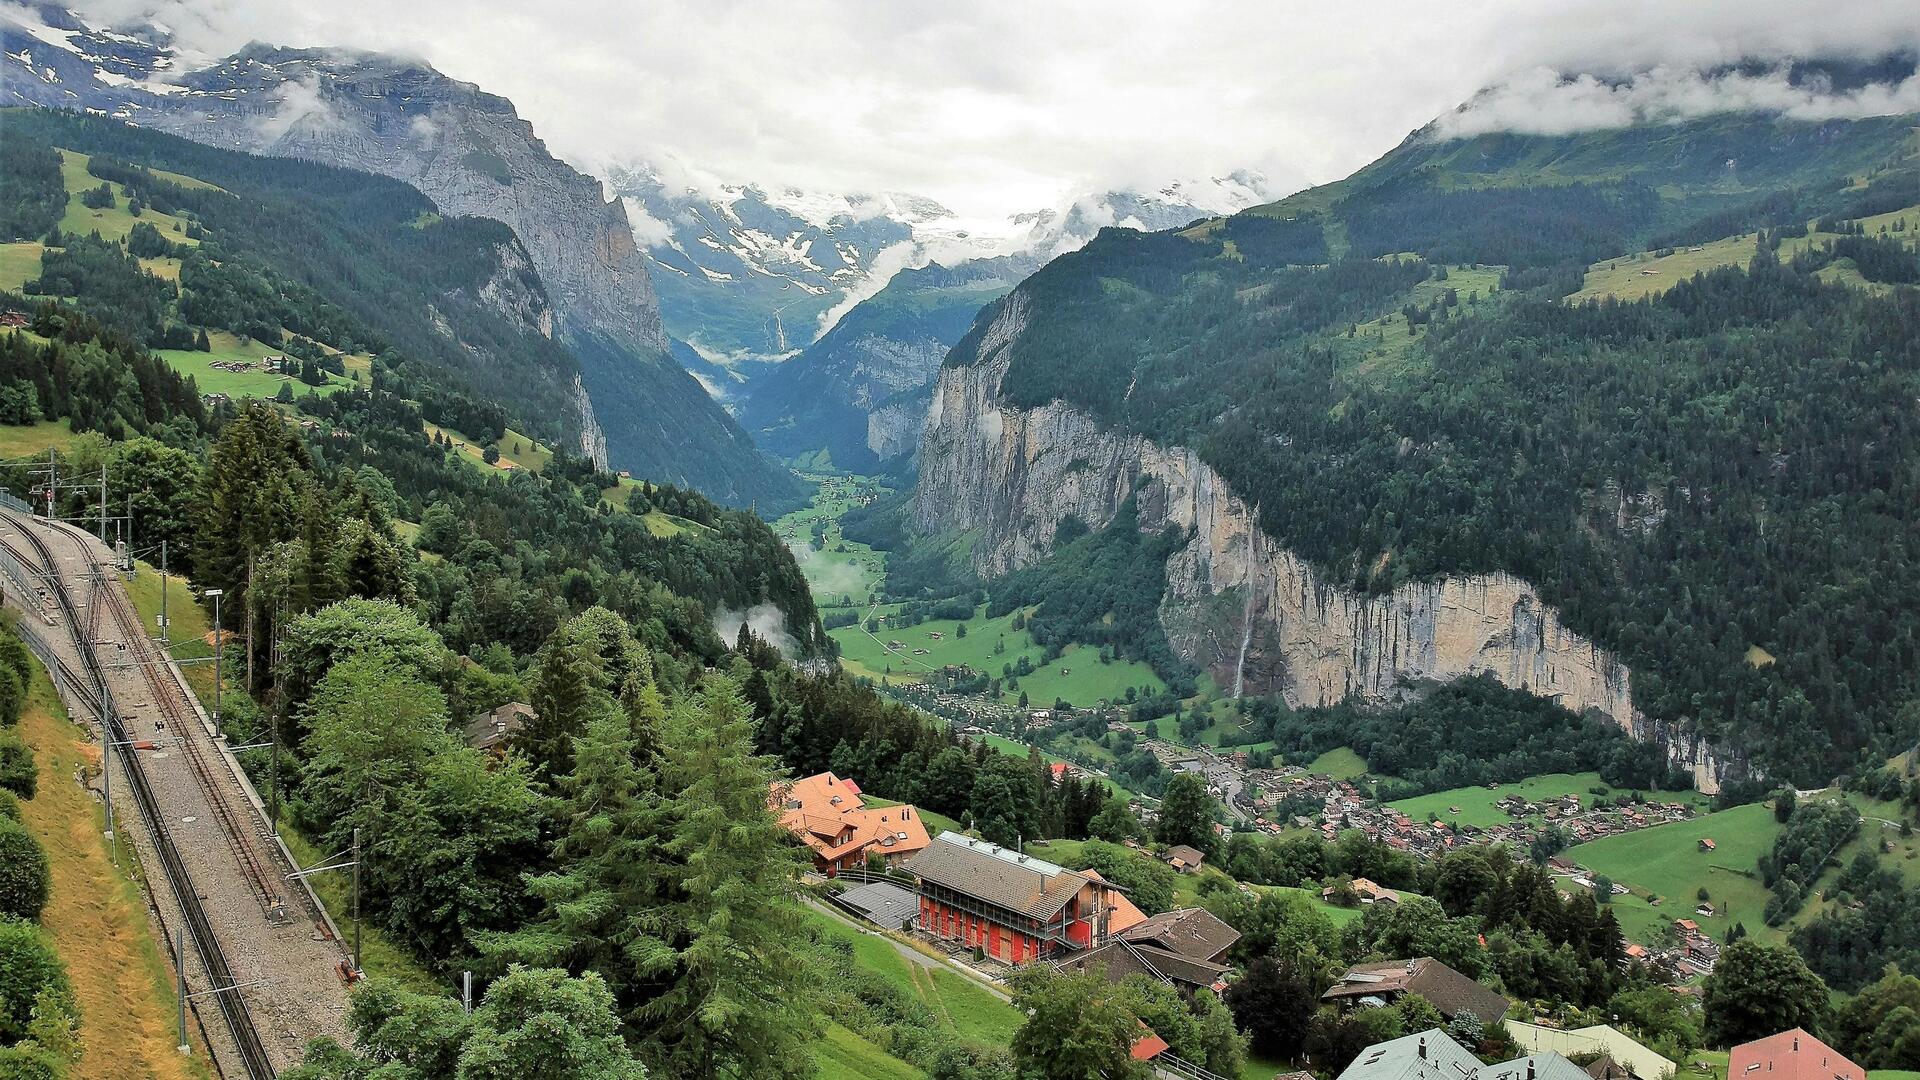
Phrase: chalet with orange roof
(829, 816)
(1790, 1055)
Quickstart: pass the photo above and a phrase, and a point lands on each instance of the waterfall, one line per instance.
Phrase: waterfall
(1246, 618)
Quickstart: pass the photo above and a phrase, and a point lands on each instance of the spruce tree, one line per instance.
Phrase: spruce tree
(729, 941)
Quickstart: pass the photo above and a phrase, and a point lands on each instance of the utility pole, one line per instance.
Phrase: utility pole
(180, 977)
(466, 992)
(219, 639)
(249, 622)
(53, 479)
(103, 502)
(356, 899)
(166, 635)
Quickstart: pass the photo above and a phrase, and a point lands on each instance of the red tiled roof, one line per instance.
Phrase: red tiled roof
(1790, 1055)
(1148, 1046)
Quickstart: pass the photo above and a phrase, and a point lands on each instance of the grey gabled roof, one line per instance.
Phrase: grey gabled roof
(998, 875)
(1433, 1055)
(1449, 991)
(1192, 932)
(881, 903)
(1425, 1055)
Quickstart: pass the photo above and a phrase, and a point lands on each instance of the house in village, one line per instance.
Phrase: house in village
(1449, 991)
(828, 815)
(1434, 1055)
(1185, 948)
(494, 730)
(1625, 1058)
(1012, 907)
(1185, 859)
(1790, 1055)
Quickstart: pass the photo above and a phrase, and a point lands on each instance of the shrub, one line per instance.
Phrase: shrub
(16, 766)
(28, 968)
(23, 873)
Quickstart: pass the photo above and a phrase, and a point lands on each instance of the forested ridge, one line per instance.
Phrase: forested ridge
(336, 257)
(1724, 466)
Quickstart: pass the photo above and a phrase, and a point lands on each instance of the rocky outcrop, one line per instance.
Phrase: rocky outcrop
(465, 149)
(1239, 604)
(894, 428)
(513, 290)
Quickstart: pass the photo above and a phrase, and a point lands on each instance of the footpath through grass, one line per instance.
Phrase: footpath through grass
(96, 914)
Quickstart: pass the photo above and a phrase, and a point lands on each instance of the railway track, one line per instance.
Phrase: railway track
(225, 989)
(167, 696)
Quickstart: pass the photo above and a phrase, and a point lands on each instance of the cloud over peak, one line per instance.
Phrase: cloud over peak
(1542, 101)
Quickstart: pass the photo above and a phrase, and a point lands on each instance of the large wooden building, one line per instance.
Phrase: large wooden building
(1013, 907)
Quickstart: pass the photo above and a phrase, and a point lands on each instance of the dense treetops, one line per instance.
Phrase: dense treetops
(1746, 413)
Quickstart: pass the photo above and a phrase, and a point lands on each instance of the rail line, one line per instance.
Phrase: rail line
(225, 988)
(179, 716)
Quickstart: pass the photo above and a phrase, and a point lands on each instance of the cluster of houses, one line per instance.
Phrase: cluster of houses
(828, 814)
(272, 365)
(1434, 1055)
(1694, 954)
(14, 320)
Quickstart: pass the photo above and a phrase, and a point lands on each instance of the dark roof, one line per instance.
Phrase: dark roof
(1192, 932)
(498, 725)
(1605, 1068)
(881, 904)
(1120, 958)
(1449, 991)
(1000, 876)
(1189, 855)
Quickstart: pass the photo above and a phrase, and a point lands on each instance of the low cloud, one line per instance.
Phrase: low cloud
(648, 231)
(828, 575)
(892, 259)
(1542, 102)
(769, 624)
(299, 104)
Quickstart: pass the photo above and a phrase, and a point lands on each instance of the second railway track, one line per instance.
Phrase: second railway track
(271, 962)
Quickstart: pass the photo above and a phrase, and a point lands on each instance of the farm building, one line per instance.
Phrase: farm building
(1013, 907)
(1449, 991)
(1790, 1055)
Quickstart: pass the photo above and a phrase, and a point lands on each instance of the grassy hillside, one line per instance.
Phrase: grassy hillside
(1666, 862)
(1477, 804)
(96, 914)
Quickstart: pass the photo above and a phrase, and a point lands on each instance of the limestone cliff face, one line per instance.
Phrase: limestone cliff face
(894, 427)
(1238, 603)
(465, 149)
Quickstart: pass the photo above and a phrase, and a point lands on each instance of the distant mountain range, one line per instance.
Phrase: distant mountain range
(467, 150)
(746, 273)
(809, 312)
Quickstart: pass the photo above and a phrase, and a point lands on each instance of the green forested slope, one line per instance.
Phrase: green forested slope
(1731, 462)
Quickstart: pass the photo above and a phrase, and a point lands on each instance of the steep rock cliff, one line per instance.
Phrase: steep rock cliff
(1238, 603)
(474, 156)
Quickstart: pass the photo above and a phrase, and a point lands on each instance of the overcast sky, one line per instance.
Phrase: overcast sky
(1002, 106)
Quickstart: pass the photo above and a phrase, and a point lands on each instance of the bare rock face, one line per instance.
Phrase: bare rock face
(1239, 603)
(465, 149)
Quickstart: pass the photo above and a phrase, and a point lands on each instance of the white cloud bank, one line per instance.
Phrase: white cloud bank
(1543, 102)
(997, 108)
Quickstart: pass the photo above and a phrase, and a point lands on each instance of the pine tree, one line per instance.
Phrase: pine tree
(610, 866)
(564, 700)
(729, 941)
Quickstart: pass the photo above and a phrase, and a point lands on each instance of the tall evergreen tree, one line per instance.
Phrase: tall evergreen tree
(728, 940)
